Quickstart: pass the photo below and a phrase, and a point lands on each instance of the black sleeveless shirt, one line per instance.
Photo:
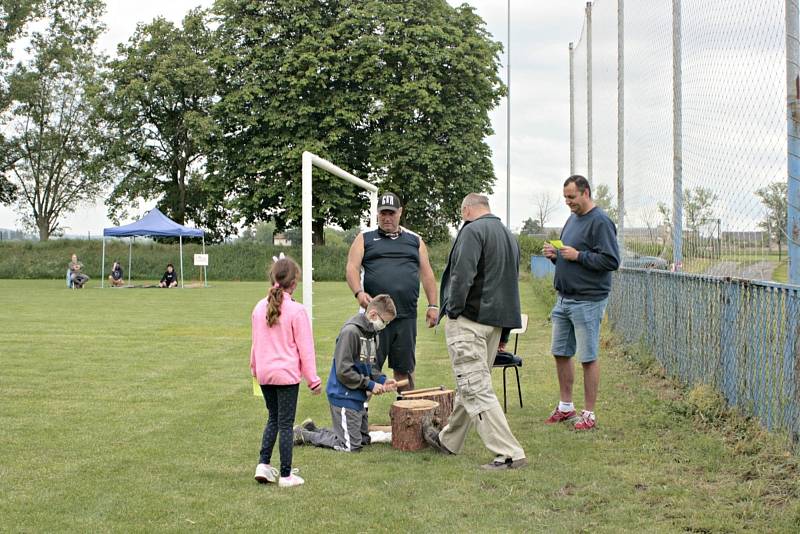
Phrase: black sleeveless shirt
(391, 265)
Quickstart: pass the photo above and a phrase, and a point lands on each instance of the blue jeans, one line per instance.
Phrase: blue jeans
(576, 328)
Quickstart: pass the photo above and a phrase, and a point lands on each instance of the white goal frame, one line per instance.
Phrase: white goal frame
(309, 162)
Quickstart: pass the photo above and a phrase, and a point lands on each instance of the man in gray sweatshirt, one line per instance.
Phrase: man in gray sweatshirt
(480, 297)
(583, 280)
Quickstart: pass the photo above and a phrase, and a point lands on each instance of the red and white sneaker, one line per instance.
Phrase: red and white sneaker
(559, 417)
(587, 421)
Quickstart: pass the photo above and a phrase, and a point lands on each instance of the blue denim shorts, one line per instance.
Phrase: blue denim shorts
(576, 328)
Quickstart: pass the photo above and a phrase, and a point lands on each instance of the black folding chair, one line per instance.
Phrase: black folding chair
(506, 360)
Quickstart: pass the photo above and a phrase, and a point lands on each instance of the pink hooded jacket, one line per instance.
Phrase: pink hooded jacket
(281, 354)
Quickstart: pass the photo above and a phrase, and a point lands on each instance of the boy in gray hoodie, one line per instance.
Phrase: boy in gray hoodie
(353, 374)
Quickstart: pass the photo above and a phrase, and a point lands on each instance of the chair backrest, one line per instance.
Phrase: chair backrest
(522, 329)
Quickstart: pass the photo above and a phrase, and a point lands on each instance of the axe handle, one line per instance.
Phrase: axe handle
(401, 383)
(424, 390)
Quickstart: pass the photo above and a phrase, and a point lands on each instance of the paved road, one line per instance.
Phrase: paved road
(761, 270)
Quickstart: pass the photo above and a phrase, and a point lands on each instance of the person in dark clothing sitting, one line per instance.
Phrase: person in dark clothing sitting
(116, 277)
(170, 279)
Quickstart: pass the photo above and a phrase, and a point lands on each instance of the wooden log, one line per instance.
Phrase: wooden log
(407, 417)
(445, 398)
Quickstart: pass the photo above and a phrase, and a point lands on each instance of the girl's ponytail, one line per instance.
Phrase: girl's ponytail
(283, 274)
(274, 304)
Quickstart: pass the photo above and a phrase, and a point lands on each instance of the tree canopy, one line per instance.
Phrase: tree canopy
(398, 93)
(52, 135)
(161, 91)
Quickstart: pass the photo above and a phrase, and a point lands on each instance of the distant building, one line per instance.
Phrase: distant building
(281, 240)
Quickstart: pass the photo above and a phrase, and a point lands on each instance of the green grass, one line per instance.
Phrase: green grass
(132, 410)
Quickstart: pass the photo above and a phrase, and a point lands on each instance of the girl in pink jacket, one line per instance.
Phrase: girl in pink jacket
(282, 352)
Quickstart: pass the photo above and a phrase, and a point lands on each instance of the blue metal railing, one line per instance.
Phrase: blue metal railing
(740, 336)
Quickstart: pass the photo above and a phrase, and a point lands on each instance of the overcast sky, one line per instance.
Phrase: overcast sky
(540, 34)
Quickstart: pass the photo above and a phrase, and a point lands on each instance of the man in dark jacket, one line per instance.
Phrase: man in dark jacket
(480, 296)
(353, 374)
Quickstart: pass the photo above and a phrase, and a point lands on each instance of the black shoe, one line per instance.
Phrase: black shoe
(431, 436)
(498, 464)
(308, 424)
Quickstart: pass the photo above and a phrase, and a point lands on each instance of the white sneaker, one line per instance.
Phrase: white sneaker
(291, 480)
(266, 473)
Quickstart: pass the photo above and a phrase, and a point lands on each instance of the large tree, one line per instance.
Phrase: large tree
(13, 16)
(775, 198)
(395, 92)
(51, 130)
(161, 89)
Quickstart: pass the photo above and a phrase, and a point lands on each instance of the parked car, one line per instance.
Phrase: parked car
(638, 261)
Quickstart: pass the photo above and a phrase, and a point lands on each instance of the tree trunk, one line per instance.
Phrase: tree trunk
(407, 417)
(444, 397)
(44, 229)
(318, 227)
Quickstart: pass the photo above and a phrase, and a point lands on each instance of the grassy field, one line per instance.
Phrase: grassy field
(132, 410)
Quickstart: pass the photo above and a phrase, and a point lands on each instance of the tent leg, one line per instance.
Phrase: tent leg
(205, 272)
(181, 241)
(130, 250)
(103, 265)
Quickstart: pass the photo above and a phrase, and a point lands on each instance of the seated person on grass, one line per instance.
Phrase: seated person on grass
(115, 278)
(77, 278)
(353, 374)
(170, 279)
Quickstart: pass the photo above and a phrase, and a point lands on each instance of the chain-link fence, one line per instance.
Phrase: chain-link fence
(684, 121)
(741, 337)
(701, 107)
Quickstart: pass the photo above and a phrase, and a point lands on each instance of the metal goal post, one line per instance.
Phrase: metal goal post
(309, 162)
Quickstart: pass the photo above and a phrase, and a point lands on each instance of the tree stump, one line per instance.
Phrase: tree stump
(444, 397)
(407, 417)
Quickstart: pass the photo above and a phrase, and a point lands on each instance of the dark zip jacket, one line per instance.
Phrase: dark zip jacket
(480, 281)
(352, 373)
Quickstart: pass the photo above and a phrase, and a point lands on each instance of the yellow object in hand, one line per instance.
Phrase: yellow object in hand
(556, 243)
(256, 388)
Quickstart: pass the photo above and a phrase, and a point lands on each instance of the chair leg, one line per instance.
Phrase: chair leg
(505, 404)
(519, 389)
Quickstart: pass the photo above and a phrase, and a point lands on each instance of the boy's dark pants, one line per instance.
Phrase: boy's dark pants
(350, 431)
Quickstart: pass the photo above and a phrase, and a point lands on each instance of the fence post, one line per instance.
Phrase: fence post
(589, 93)
(621, 122)
(571, 110)
(508, 123)
(793, 131)
(677, 143)
(728, 339)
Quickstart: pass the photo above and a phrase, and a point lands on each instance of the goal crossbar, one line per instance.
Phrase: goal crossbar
(309, 162)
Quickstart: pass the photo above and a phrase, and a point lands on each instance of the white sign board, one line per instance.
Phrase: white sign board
(201, 259)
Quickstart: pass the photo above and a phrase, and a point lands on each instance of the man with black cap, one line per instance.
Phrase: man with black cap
(392, 260)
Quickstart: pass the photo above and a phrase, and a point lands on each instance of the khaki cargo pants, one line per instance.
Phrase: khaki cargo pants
(472, 347)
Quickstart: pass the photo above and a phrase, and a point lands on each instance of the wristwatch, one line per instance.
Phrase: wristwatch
(357, 293)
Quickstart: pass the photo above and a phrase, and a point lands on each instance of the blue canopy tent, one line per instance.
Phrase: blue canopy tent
(155, 224)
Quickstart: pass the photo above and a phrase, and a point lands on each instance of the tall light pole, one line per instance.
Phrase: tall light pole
(508, 124)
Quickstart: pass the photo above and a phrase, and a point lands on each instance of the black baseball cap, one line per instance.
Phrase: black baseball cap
(389, 201)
